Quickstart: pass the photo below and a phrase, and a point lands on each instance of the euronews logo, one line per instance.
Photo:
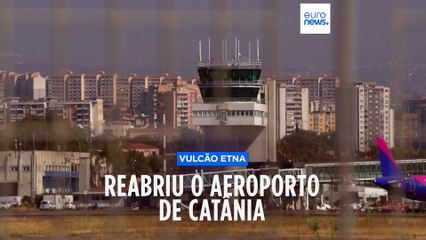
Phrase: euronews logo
(315, 18)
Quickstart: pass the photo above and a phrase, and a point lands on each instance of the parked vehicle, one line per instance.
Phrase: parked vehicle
(70, 206)
(323, 207)
(47, 205)
(4, 205)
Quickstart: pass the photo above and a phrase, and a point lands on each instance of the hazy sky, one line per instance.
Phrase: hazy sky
(146, 29)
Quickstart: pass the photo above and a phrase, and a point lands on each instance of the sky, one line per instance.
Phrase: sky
(155, 37)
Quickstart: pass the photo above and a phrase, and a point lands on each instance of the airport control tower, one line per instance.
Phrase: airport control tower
(235, 114)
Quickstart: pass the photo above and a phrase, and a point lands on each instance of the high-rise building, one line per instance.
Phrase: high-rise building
(292, 109)
(158, 100)
(28, 86)
(3, 113)
(322, 116)
(123, 93)
(91, 86)
(107, 89)
(322, 122)
(319, 88)
(416, 107)
(137, 86)
(3, 79)
(74, 87)
(86, 114)
(57, 86)
(17, 110)
(374, 115)
(186, 96)
(89, 115)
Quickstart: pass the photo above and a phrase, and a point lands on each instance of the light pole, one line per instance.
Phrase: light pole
(18, 148)
(164, 144)
(133, 163)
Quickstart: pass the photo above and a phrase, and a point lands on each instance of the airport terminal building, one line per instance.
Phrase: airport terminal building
(30, 173)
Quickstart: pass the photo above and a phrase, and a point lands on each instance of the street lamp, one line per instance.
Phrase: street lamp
(18, 148)
(133, 163)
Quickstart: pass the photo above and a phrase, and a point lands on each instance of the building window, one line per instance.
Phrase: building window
(14, 168)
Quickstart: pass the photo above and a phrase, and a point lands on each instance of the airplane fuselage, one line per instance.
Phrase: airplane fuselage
(411, 187)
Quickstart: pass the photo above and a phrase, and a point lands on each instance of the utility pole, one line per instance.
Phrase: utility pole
(33, 165)
(18, 146)
(164, 143)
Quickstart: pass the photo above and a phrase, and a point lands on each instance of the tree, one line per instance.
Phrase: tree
(155, 164)
(306, 147)
(44, 133)
(136, 163)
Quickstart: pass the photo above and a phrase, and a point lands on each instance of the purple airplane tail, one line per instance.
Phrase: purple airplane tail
(388, 164)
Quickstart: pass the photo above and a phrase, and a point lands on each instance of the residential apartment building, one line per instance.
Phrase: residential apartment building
(86, 114)
(319, 88)
(107, 89)
(74, 90)
(16, 110)
(292, 109)
(322, 116)
(374, 115)
(91, 86)
(57, 86)
(28, 86)
(123, 92)
(416, 128)
(3, 78)
(322, 122)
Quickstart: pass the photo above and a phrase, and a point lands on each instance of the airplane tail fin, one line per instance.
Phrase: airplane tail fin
(388, 164)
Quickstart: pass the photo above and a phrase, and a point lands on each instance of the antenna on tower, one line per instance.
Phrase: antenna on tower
(223, 54)
(235, 56)
(226, 49)
(209, 51)
(199, 52)
(238, 58)
(257, 42)
(249, 52)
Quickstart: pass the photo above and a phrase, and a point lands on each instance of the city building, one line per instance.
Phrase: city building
(322, 116)
(74, 90)
(374, 116)
(107, 89)
(89, 115)
(292, 109)
(17, 110)
(320, 88)
(86, 114)
(415, 107)
(57, 86)
(123, 91)
(91, 86)
(186, 96)
(160, 105)
(118, 128)
(142, 148)
(322, 122)
(30, 173)
(137, 86)
(174, 100)
(3, 113)
(28, 86)
(3, 79)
